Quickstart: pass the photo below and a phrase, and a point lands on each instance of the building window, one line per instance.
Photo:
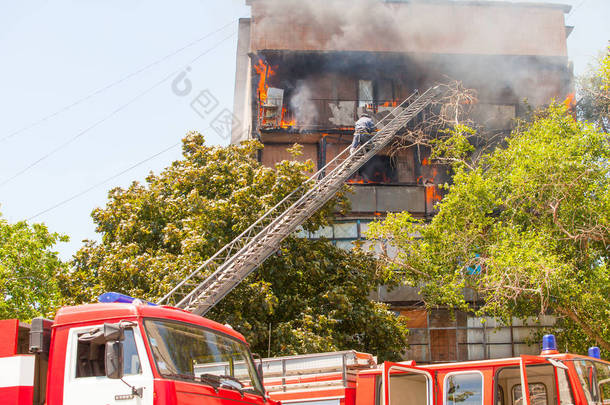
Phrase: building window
(464, 389)
(365, 93)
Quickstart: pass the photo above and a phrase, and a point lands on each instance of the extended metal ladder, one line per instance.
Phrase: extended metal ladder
(210, 282)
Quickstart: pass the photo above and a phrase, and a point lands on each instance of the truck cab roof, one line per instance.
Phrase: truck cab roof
(94, 313)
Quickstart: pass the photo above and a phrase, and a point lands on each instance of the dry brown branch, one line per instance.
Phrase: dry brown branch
(452, 108)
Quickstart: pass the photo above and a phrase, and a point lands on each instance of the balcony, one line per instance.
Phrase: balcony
(317, 115)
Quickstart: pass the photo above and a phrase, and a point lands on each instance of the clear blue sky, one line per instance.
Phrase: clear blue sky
(57, 52)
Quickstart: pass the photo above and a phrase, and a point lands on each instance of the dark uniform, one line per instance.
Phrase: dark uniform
(363, 132)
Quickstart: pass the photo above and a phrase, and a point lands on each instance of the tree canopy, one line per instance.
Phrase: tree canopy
(594, 89)
(527, 227)
(311, 295)
(28, 270)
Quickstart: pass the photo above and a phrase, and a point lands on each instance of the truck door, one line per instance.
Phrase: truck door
(85, 380)
(546, 382)
(407, 385)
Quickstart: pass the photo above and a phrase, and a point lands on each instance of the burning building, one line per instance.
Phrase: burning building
(306, 70)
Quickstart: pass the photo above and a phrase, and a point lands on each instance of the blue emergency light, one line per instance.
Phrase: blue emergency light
(114, 297)
(549, 343)
(594, 352)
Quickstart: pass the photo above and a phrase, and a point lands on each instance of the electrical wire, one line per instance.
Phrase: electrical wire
(113, 113)
(113, 84)
(101, 183)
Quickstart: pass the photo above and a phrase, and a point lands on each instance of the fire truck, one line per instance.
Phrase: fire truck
(351, 378)
(126, 351)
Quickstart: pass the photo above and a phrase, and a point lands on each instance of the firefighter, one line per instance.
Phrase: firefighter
(363, 132)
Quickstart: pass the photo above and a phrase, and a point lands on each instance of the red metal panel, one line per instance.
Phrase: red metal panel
(318, 394)
(350, 397)
(9, 330)
(57, 361)
(165, 392)
(365, 392)
(196, 394)
(16, 396)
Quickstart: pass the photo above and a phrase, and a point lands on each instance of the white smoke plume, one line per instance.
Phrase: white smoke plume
(388, 26)
(305, 111)
(532, 35)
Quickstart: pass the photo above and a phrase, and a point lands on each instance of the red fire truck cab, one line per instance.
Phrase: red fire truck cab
(126, 353)
(350, 378)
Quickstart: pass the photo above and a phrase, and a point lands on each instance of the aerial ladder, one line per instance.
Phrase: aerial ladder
(202, 289)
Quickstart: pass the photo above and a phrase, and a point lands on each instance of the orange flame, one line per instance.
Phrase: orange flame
(287, 122)
(356, 181)
(570, 101)
(264, 72)
(389, 104)
(432, 192)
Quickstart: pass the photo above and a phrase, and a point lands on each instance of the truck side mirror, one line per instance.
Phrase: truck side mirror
(114, 360)
(114, 332)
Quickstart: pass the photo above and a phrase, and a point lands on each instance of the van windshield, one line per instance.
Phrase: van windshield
(194, 353)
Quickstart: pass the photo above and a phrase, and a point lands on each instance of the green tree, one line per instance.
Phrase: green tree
(312, 295)
(528, 227)
(28, 270)
(594, 89)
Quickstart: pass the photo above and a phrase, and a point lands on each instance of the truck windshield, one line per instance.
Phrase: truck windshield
(594, 377)
(189, 352)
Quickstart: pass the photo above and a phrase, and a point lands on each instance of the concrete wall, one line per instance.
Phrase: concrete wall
(242, 110)
(489, 28)
(275, 153)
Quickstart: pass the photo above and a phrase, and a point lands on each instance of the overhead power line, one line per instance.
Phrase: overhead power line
(113, 113)
(101, 183)
(113, 84)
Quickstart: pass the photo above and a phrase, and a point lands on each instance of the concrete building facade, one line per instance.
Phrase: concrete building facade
(306, 70)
